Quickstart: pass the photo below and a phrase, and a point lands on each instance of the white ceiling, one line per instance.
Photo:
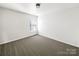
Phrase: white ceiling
(52, 7)
(44, 7)
(23, 7)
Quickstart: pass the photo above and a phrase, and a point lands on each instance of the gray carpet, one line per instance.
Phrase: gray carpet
(38, 46)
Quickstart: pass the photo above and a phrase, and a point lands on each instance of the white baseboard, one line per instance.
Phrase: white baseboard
(45, 35)
(16, 39)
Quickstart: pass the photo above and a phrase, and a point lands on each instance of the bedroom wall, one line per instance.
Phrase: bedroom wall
(62, 25)
(0, 25)
(15, 25)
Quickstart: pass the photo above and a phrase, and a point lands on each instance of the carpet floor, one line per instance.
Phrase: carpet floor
(38, 46)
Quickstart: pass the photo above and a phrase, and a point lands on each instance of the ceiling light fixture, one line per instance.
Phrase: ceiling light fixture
(37, 5)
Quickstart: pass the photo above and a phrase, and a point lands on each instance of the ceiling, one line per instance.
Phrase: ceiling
(44, 7)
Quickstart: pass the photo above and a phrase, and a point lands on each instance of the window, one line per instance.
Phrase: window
(33, 25)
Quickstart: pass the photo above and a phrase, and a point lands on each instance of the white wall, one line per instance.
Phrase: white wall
(62, 25)
(15, 25)
(0, 25)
